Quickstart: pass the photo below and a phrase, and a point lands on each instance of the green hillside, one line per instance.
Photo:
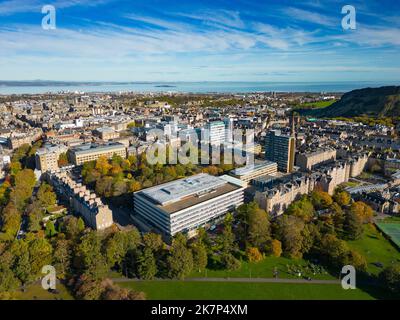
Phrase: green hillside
(373, 102)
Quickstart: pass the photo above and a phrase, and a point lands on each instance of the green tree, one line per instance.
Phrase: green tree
(321, 199)
(342, 198)
(230, 262)
(180, 258)
(153, 241)
(353, 226)
(146, 265)
(50, 229)
(390, 277)
(46, 196)
(89, 258)
(200, 258)
(8, 282)
(62, 256)
(40, 254)
(302, 208)
(289, 232)
(362, 210)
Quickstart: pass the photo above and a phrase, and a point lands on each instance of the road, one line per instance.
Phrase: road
(247, 280)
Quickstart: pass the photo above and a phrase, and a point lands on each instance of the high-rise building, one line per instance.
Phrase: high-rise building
(215, 132)
(280, 148)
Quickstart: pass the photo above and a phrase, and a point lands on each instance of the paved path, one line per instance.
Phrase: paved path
(251, 280)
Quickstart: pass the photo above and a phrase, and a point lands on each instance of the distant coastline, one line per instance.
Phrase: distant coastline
(49, 86)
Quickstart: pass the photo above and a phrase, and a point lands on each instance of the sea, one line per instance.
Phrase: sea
(193, 87)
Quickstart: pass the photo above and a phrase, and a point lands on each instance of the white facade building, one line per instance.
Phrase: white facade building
(187, 204)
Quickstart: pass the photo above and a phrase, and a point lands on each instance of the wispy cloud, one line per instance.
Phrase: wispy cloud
(18, 6)
(311, 16)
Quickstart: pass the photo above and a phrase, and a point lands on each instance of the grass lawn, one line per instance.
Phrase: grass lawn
(182, 290)
(316, 105)
(350, 184)
(36, 292)
(262, 269)
(375, 248)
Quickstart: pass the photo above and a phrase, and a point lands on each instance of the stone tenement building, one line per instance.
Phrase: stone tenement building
(95, 214)
(18, 139)
(276, 200)
(307, 160)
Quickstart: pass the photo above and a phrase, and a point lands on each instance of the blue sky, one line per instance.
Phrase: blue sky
(219, 40)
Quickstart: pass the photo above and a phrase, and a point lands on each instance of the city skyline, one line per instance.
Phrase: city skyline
(219, 41)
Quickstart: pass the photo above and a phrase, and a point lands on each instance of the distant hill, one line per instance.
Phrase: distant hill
(374, 102)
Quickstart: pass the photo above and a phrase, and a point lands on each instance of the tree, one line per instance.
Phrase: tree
(338, 217)
(146, 265)
(8, 282)
(302, 208)
(114, 292)
(289, 232)
(80, 224)
(89, 258)
(321, 199)
(11, 220)
(353, 226)
(40, 254)
(21, 265)
(63, 160)
(259, 228)
(35, 216)
(276, 248)
(180, 258)
(102, 165)
(390, 277)
(342, 198)
(46, 196)
(230, 262)
(363, 210)
(253, 254)
(119, 244)
(62, 255)
(88, 288)
(200, 258)
(153, 241)
(227, 238)
(335, 251)
(71, 228)
(50, 229)
(358, 261)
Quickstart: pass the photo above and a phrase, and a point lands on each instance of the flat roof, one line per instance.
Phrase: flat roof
(89, 148)
(180, 194)
(254, 167)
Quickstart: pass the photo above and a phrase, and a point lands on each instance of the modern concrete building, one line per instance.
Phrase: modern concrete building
(256, 170)
(215, 132)
(280, 148)
(187, 204)
(90, 152)
(85, 203)
(46, 158)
